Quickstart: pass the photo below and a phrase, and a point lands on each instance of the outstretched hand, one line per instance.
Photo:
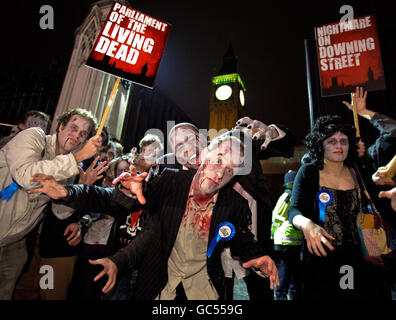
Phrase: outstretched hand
(110, 269)
(358, 99)
(49, 186)
(92, 174)
(257, 130)
(267, 266)
(133, 182)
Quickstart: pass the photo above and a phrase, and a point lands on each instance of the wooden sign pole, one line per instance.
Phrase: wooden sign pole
(109, 103)
(355, 115)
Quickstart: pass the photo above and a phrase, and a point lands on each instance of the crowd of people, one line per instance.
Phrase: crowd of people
(80, 219)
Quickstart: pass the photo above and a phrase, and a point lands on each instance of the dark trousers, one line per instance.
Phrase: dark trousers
(288, 272)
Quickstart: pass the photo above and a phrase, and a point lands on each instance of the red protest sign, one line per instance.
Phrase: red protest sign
(349, 55)
(130, 45)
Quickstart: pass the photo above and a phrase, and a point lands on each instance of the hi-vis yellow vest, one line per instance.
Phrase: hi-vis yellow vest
(282, 231)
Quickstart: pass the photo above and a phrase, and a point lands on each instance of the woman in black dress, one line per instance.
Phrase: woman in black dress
(325, 205)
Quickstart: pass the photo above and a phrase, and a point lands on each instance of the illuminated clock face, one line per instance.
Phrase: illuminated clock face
(223, 92)
(241, 98)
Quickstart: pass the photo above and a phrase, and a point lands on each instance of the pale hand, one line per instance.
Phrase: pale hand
(381, 179)
(359, 100)
(74, 232)
(110, 269)
(92, 174)
(90, 149)
(49, 186)
(133, 182)
(315, 236)
(390, 194)
(267, 266)
(257, 130)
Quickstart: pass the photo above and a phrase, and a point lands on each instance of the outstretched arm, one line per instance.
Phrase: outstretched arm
(270, 140)
(50, 187)
(82, 197)
(24, 157)
(126, 257)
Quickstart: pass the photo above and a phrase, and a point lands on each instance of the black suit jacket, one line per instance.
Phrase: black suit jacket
(256, 184)
(166, 201)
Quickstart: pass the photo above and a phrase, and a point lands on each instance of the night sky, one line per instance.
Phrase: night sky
(268, 38)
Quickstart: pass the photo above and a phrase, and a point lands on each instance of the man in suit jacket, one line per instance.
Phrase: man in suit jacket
(187, 143)
(187, 209)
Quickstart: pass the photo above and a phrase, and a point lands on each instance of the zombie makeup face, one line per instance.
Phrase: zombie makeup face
(36, 121)
(107, 154)
(150, 153)
(218, 168)
(123, 166)
(336, 147)
(186, 145)
(73, 134)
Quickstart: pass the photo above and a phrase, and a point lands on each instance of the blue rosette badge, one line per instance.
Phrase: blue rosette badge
(225, 231)
(325, 198)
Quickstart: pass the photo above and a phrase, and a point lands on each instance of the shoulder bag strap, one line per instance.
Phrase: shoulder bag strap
(363, 186)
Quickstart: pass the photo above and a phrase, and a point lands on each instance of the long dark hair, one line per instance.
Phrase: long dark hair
(324, 128)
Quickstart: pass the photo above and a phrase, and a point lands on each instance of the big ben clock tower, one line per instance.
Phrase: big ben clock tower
(227, 96)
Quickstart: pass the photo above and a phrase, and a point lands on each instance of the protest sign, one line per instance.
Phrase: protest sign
(130, 45)
(349, 55)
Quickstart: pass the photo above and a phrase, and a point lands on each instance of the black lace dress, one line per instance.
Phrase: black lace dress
(342, 274)
(340, 219)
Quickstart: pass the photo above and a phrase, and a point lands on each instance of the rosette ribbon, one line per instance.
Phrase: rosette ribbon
(325, 198)
(225, 231)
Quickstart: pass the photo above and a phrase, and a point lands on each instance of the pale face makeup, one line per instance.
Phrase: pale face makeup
(107, 155)
(185, 145)
(73, 134)
(216, 171)
(123, 166)
(36, 121)
(150, 153)
(336, 147)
